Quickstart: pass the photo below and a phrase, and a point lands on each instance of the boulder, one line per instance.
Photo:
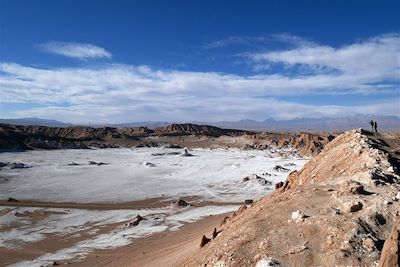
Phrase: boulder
(225, 220)
(181, 203)
(267, 262)
(204, 241)
(17, 165)
(242, 208)
(148, 164)
(350, 187)
(4, 164)
(298, 216)
(136, 222)
(352, 206)
(246, 179)
(11, 199)
(97, 163)
(262, 181)
(278, 185)
(186, 153)
(172, 146)
(279, 168)
(215, 233)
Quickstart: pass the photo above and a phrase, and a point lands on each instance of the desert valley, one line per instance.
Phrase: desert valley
(230, 133)
(142, 197)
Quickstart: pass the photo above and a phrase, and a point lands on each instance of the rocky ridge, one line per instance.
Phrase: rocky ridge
(337, 211)
(175, 135)
(194, 129)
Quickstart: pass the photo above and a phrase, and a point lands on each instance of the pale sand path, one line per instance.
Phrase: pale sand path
(140, 204)
(162, 249)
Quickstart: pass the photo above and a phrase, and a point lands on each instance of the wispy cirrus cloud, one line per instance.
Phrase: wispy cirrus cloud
(75, 50)
(272, 40)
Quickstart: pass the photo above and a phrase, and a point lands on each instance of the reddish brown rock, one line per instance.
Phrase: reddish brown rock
(242, 208)
(390, 256)
(204, 241)
(278, 185)
(136, 222)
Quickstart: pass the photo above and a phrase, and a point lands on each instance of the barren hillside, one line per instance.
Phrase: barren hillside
(184, 135)
(194, 129)
(337, 211)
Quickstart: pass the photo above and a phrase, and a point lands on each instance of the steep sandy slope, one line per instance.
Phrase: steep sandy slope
(337, 211)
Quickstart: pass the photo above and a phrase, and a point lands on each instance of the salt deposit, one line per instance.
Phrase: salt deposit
(125, 175)
(209, 173)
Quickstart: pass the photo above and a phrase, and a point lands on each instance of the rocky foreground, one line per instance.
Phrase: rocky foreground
(17, 137)
(341, 209)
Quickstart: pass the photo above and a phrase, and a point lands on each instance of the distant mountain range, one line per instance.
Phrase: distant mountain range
(149, 124)
(55, 123)
(385, 123)
(35, 121)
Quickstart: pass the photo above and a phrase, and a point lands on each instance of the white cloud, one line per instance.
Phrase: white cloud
(373, 59)
(75, 50)
(186, 109)
(120, 93)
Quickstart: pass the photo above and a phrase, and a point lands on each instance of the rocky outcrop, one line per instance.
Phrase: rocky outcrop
(173, 136)
(136, 221)
(306, 144)
(13, 165)
(135, 132)
(354, 153)
(181, 203)
(194, 129)
(337, 211)
(390, 256)
(41, 137)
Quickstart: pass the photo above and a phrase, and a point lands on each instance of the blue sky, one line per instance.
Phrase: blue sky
(124, 61)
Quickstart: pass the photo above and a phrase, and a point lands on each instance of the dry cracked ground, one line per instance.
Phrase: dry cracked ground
(337, 211)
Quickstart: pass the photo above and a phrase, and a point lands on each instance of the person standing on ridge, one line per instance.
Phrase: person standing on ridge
(372, 125)
(376, 127)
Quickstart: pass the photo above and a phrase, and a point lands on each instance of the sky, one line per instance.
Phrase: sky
(181, 61)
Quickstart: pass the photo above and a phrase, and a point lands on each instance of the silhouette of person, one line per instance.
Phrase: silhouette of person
(376, 127)
(372, 125)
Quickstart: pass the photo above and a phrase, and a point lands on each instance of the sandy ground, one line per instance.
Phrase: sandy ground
(140, 204)
(146, 203)
(169, 248)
